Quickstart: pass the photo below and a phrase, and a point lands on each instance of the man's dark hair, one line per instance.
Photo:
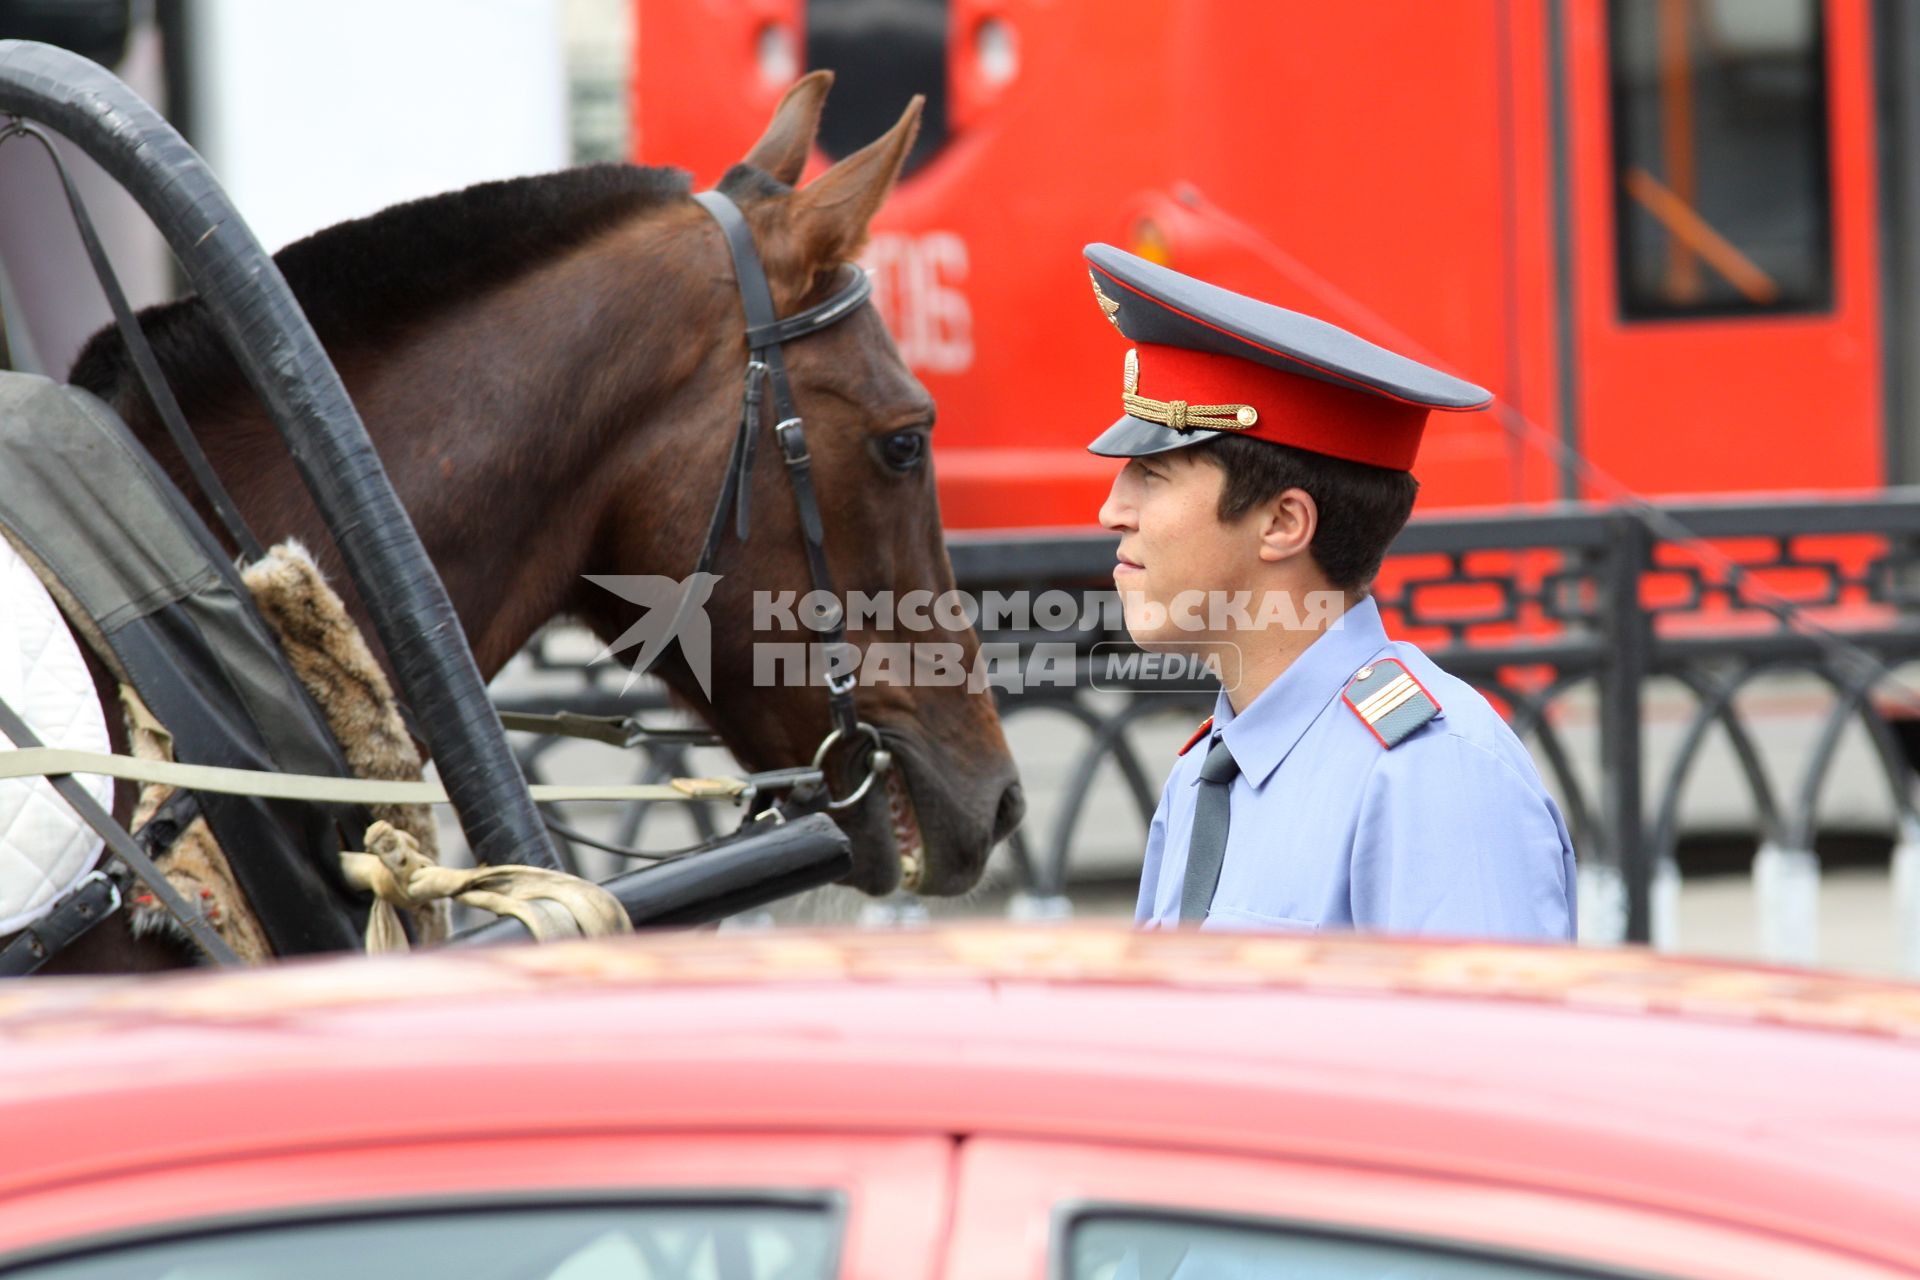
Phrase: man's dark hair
(1362, 508)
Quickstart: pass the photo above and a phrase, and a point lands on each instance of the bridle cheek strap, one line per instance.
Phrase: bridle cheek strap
(765, 333)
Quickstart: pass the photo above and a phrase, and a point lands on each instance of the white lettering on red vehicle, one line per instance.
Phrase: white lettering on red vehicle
(918, 284)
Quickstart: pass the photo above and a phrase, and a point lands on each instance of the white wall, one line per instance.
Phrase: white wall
(314, 111)
(57, 304)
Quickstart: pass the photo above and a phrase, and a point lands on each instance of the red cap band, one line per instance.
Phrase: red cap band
(1293, 408)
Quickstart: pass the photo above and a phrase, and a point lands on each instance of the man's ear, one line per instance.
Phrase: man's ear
(829, 216)
(1288, 522)
(783, 149)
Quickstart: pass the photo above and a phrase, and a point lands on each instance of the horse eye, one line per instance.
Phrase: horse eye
(903, 449)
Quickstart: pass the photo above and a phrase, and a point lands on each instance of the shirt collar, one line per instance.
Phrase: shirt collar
(1261, 736)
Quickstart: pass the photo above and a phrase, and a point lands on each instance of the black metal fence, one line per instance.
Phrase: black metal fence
(1540, 606)
(1543, 609)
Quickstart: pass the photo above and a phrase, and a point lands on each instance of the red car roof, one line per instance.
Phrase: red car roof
(1743, 1093)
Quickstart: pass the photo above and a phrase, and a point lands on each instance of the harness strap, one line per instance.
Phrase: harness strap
(58, 764)
(145, 363)
(118, 841)
(78, 910)
(765, 332)
(793, 447)
(799, 460)
(615, 731)
(821, 315)
(756, 295)
(736, 484)
(750, 413)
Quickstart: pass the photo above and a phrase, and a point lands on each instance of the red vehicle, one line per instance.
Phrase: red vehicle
(1668, 233)
(977, 1104)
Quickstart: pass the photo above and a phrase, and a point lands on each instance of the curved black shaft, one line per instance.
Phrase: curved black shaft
(284, 362)
(746, 872)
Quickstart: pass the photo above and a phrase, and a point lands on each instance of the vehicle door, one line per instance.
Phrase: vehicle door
(1084, 1211)
(742, 1206)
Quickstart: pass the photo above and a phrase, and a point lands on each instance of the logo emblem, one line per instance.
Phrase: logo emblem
(1130, 380)
(675, 610)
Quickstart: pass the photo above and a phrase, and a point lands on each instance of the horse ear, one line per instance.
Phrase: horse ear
(783, 149)
(829, 215)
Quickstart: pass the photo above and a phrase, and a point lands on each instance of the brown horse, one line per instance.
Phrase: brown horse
(552, 369)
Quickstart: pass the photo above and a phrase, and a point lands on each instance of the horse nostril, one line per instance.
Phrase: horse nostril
(1013, 807)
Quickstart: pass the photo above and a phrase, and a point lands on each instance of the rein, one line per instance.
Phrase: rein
(767, 371)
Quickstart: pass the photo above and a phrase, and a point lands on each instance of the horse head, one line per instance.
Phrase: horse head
(752, 667)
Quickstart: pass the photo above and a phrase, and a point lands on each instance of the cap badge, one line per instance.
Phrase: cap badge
(1107, 305)
(1130, 380)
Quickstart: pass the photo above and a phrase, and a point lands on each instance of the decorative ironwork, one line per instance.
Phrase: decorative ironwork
(1551, 612)
(1538, 608)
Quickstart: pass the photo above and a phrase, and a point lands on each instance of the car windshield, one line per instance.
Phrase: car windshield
(624, 1242)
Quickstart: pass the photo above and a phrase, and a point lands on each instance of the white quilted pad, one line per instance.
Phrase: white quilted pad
(45, 849)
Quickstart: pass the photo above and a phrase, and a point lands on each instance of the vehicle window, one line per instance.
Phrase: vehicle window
(1143, 1248)
(1720, 156)
(610, 1242)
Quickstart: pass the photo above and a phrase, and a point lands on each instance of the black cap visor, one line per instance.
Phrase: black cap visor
(1133, 437)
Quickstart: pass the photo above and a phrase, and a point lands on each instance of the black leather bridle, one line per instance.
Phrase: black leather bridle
(766, 369)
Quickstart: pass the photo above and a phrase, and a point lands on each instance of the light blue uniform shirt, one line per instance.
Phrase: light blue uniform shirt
(1450, 832)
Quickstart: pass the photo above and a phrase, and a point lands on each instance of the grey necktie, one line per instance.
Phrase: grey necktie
(1207, 847)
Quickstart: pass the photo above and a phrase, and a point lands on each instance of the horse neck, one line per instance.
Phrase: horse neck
(497, 419)
(513, 480)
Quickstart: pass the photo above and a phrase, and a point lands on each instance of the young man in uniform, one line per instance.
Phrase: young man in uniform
(1344, 781)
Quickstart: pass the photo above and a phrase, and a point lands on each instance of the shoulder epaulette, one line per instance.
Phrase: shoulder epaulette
(1389, 701)
(1206, 727)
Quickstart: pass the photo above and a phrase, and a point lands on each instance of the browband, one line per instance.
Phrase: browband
(764, 329)
(821, 315)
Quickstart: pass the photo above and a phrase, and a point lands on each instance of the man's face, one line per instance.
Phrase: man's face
(1174, 548)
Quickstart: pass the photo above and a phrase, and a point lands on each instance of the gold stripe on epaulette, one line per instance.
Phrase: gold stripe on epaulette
(1383, 707)
(1385, 691)
(1398, 685)
(1380, 711)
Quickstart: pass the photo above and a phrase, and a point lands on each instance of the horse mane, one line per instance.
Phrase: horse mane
(368, 278)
